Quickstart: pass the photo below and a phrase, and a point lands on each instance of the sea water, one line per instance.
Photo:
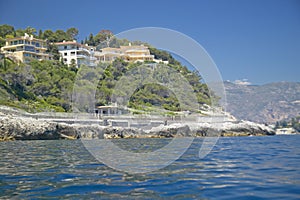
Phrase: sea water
(236, 168)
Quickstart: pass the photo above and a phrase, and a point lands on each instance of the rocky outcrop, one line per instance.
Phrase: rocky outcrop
(89, 131)
(22, 128)
(170, 131)
(246, 128)
(233, 128)
(120, 132)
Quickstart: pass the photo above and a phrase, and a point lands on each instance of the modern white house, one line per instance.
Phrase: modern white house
(78, 54)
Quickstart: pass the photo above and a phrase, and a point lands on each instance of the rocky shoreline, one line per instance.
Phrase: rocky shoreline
(14, 127)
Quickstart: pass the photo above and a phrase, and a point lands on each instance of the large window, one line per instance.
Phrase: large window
(29, 48)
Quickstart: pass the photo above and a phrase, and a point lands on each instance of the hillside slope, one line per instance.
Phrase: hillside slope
(264, 103)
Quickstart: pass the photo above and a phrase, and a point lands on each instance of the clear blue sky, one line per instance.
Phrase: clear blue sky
(257, 40)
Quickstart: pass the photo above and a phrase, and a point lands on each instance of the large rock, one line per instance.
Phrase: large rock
(246, 128)
(170, 131)
(22, 128)
(119, 132)
(92, 131)
(232, 128)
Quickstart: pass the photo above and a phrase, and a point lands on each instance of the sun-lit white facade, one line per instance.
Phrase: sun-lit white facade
(75, 53)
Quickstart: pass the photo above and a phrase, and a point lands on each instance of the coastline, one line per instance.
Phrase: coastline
(19, 125)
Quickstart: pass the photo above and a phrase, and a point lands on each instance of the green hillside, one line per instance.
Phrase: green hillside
(48, 85)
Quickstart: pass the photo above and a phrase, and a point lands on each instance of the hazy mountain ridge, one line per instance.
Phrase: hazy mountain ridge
(263, 103)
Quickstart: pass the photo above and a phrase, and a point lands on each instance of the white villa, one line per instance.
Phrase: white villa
(71, 51)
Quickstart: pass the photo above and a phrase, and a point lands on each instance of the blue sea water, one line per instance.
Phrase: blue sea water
(236, 168)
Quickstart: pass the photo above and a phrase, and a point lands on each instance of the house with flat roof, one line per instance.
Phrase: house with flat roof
(23, 49)
(73, 52)
(108, 54)
(136, 53)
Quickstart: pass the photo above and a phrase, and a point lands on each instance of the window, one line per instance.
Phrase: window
(73, 53)
(65, 60)
(29, 48)
(65, 54)
(65, 47)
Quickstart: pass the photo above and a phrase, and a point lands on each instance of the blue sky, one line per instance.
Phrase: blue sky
(258, 40)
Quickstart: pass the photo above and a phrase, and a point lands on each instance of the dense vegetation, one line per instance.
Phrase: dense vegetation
(150, 94)
(37, 86)
(48, 85)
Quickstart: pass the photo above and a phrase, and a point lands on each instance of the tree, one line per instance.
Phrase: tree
(102, 36)
(49, 35)
(72, 33)
(53, 49)
(158, 54)
(6, 30)
(9, 36)
(40, 34)
(73, 64)
(30, 31)
(2, 42)
(91, 40)
(60, 36)
(20, 32)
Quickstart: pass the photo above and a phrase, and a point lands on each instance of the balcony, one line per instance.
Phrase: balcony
(81, 56)
(84, 50)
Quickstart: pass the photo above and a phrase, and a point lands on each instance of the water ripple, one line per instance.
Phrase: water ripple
(237, 168)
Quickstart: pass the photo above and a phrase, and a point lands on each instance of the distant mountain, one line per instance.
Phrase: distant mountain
(263, 103)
